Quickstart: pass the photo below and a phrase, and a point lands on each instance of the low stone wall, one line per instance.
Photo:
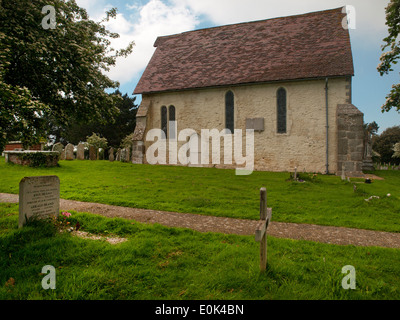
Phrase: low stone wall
(32, 158)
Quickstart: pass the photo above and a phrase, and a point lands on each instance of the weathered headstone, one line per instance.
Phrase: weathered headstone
(118, 155)
(58, 147)
(123, 155)
(261, 231)
(111, 154)
(39, 197)
(62, 155)
(80, 151)
(92, 153)
(69, 152)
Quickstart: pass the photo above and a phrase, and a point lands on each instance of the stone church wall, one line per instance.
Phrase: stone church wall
(302, 146)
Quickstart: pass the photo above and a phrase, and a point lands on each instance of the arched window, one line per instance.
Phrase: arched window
(281, 110)
(164, 120)
(229, 111)
(172, 122)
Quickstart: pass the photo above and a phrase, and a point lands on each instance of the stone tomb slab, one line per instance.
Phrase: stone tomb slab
(39, 197)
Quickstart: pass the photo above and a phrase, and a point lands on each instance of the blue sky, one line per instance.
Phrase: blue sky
(143, 20)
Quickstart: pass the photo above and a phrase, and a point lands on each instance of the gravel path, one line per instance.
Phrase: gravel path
(333, 235)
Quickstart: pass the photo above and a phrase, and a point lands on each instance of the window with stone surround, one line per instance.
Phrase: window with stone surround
(164, 120)
(172, 122)
(281, 110)
(230, 111)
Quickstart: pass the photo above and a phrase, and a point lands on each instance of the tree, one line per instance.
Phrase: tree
(390, 57)
(97, 142)
(55, 74)
(396, 150)
(114, 129)
(371, 128)
(384, 144)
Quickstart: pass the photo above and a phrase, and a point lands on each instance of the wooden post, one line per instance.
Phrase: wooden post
(261, 231)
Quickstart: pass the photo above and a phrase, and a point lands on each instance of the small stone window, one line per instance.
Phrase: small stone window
(229, 111)
(281, 110)
(172, 122)
(164, 120)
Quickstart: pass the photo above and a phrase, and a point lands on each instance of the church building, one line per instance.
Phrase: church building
(289, 79)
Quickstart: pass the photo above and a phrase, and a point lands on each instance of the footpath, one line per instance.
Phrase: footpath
(201, 223)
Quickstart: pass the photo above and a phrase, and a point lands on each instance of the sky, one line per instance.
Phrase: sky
(142, 21)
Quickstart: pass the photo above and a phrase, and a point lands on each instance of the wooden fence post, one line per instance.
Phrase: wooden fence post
(261, 231)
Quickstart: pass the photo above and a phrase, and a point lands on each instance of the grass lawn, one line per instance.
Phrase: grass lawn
(169, 263)
(323, 200)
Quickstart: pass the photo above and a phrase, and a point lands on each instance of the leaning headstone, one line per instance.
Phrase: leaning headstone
(111, 154)
(69, 152)
(123, 155)
(62, 154)
(80, 151)
(58, 147)
(39, 197)
(92, 153)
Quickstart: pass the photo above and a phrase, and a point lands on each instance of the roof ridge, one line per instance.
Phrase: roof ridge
(161, 38)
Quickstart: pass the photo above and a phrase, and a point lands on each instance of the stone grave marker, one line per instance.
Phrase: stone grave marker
(39, 197)
(69, 152)
(80, 151)
(62, 154)
(111, 154)
(123, 155)
(92, 153)
(58, 147)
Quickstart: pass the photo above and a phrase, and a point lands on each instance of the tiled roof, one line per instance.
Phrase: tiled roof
(312, 45)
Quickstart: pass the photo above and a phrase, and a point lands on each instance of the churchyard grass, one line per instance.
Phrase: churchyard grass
(157, 262)
(320, 199)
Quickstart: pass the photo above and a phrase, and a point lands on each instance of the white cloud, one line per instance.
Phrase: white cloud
(159, 17)
(370, 14)
(153, 19)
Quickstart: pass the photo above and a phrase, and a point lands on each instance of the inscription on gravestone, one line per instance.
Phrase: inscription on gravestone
(39, 197)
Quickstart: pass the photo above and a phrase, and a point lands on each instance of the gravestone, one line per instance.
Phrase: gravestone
(111, 154)
(92, 153)
(69, 152)
(58, 147)
(118, 155)
(62, 154)
(123, 155)
(39, 197)
(80, 151)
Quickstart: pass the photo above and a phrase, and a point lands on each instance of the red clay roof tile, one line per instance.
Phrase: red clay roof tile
(312, 45)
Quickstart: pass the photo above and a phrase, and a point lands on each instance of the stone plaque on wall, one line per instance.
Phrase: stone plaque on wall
(39, 197)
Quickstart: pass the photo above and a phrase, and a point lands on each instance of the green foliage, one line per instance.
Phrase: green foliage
(384, 144)
(396, 150)
(97, 141)
(38, 159)
(114, 130)
(53, 74)
(391, 57)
